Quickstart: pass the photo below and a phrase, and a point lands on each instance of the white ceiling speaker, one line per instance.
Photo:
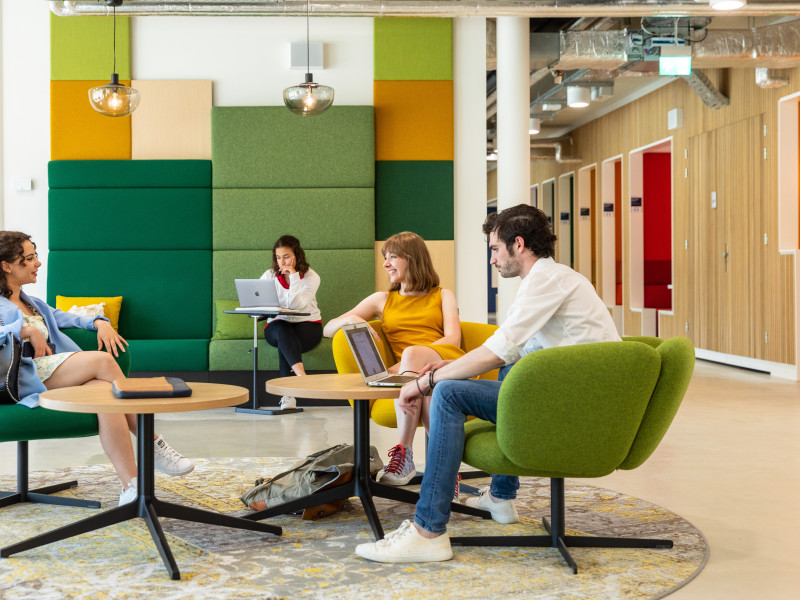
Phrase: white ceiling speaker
(578, 96)
(536, 126)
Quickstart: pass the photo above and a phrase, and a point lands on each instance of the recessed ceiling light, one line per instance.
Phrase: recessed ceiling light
(726, 4)
(578, 96)
(535, 126)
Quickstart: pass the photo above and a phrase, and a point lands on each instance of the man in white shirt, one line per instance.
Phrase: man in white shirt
(555, 306)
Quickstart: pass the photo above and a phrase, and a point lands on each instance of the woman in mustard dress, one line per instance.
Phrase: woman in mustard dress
(420, 320)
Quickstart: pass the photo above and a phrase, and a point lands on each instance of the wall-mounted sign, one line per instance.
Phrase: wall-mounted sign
(636, 204)
(584, 212)
(608, 207)
(565, 216)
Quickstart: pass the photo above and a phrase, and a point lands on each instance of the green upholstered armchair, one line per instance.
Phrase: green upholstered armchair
(21, 424)
(581, 411)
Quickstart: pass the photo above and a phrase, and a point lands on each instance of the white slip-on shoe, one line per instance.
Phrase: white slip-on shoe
(287, 402)
(128, 494)
(406, 544)
(503, 512)
(168, 460)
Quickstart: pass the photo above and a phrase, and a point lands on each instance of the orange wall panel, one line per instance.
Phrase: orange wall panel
(78, 132)
(413, 120)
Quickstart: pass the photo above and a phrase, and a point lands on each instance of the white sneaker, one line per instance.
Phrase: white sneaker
(503, 512)
(287, 402)
(406, 544)
(128, 494)
(170, 461)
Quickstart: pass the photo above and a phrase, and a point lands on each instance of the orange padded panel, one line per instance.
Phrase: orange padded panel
(78, 132)
(413, 120)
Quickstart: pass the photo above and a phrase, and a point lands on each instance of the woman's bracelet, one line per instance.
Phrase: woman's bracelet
(430, 380)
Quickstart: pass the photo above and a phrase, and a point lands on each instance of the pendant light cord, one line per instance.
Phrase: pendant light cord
(308, 43)
(115, 40)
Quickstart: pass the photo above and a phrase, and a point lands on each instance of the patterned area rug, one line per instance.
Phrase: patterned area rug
(315, 560)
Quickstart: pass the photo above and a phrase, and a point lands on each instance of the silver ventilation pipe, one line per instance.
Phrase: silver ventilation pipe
(765, 79)
(557, 146)
(418, 8)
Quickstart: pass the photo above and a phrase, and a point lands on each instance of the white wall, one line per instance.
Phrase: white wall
(247, 58)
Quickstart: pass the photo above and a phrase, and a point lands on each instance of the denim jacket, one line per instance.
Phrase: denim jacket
(30, 386)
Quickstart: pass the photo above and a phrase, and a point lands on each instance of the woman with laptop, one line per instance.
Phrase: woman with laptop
(297, 286)
(420, 321)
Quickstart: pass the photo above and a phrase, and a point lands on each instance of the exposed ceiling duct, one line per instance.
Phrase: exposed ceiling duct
(419, 8)
(765, 79)
(557, 146)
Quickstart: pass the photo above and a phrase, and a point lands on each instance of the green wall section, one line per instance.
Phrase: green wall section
(82, 48)
(414, 196)
(413, 49)
(85, 174)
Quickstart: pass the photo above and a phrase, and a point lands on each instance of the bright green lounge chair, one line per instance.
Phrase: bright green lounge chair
(21, 424)
(580, 411)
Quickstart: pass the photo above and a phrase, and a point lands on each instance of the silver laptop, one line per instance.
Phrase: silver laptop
(259, 294)
(369, 360)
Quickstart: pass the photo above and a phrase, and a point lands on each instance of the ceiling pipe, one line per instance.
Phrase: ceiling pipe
(557, 146)
(419, 8)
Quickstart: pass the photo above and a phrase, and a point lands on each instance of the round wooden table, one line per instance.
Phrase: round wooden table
(99, 399)
(348, 386)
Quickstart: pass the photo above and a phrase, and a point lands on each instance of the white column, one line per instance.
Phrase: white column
(469, 87)
(513, 139)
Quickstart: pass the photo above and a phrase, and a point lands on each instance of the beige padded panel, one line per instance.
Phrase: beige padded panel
(443, 256)
(173, 120)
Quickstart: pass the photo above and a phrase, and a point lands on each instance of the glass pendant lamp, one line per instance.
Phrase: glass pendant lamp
(114, 99)
(308, 98)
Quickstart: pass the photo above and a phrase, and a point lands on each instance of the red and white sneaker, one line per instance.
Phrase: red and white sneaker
(400, 469)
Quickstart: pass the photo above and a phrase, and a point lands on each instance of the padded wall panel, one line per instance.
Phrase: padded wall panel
(129, 174)
(78, 132)
(164, 292)
(173, 120)
(169, 355)
(347, 276)
(409, 125)
(82, 48)
(270, 147)
(152, 218)
(236, 355)
(252, 219)
(442, 255)
(413, 48)
(414, 196)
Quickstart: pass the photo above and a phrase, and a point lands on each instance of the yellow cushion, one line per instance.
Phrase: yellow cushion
(111, 309)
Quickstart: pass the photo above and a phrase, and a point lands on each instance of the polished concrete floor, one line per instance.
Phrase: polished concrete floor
(730, 464)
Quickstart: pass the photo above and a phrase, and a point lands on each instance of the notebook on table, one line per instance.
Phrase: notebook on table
(368, 358)
(259, 294)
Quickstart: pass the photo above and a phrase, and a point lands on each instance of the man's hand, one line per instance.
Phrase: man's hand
(108, 338)
(435, 365)
(410, 397)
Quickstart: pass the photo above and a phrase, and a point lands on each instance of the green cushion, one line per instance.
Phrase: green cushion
(148, 218)
(574, 411)
(413, 49)
(246, 218)
(414, 196)
(347, 276)
(169, 355)
(228, 326)
(270, 147)
(166, 293)
(19, 424)
(235, 355)
(87, 340)
(84, 174)
(482, 450)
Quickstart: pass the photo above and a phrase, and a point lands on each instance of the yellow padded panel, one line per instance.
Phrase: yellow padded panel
(113, 304)
(413, 120)
(443, 257)
(78, 132)
(173, 120)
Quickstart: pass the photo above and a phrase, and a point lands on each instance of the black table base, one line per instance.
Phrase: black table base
(361, 485)
(146, 506)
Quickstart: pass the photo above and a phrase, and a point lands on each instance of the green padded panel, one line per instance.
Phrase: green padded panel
(413, 49)
(228, 326)
(83, 48)
(169, 354)
(270, 147)
(148, 218)
(235, 355)
(165, 293)
(84, 174)
(414, 196)
(677, 366)
(87, 340)
(348, 276)
(245, 219)
(21, 424)
(574, 411)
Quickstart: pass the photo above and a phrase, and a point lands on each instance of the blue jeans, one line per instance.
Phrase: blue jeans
(452, 401)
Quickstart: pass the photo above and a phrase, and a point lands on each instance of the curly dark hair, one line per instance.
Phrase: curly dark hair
(291, 242)
(10, 250)
(524, 221)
